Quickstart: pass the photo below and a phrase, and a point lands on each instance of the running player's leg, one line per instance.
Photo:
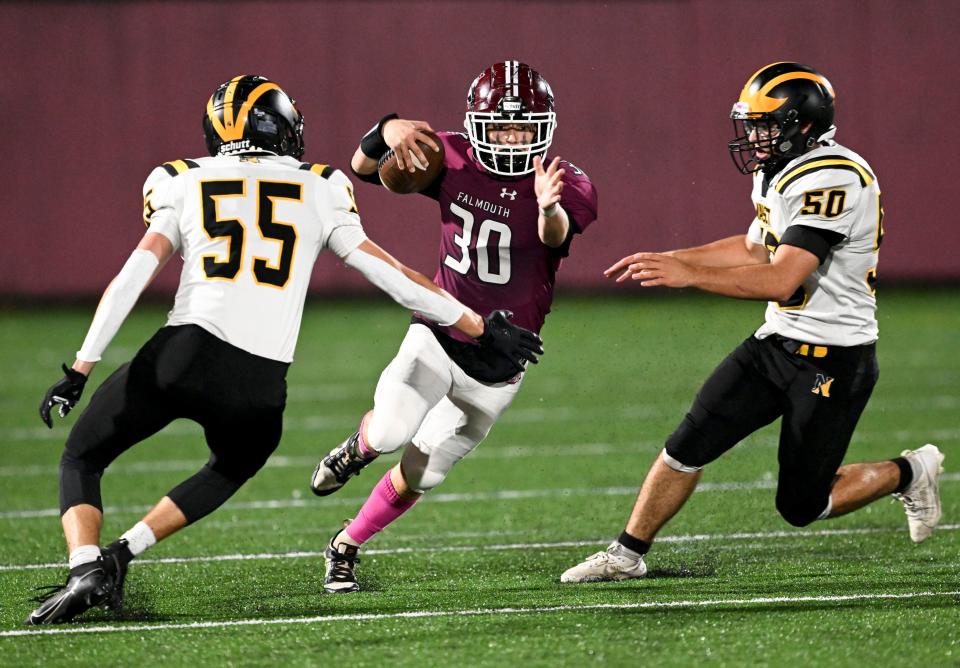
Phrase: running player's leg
(824, 403)
(738, 398)
(125, 409)
(452, 428)
(242, 427)
(414, 381)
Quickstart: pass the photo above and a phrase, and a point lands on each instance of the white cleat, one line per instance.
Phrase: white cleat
(921, 499)
(611, 564)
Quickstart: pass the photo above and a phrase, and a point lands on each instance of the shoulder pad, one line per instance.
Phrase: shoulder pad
(175, 167)
(838, 165)
(320, 170)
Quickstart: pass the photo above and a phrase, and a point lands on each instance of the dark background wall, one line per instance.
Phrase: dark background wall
(95, 95)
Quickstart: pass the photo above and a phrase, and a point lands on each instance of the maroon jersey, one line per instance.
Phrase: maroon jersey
(491, 255)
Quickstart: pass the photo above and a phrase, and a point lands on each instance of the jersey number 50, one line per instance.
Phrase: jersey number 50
(485, 273)
(233, 231)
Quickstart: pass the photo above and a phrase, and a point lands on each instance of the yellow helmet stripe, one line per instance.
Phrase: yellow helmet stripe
(228, 103)
(231, 127)
(760, 101)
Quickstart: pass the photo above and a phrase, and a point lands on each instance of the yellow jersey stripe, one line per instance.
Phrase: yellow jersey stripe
(866, 178)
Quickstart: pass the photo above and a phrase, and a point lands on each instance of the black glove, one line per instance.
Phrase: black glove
(65, 392)
(517, 344)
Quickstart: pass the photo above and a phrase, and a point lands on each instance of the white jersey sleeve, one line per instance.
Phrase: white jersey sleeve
(345, 232)
(162, 205)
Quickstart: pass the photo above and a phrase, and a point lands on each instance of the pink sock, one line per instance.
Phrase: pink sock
(381, 508)
(362, 446)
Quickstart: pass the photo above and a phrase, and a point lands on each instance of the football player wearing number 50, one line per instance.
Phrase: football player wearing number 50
(249, 222)
(811, 252)
(508, 215)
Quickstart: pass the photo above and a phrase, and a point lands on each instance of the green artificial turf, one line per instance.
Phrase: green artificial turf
(471, 575)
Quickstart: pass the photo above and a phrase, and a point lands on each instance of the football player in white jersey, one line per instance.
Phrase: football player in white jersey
(249, 222)
(811, 252)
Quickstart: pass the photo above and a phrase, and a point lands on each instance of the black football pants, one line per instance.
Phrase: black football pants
(819, 391)
(181, 372)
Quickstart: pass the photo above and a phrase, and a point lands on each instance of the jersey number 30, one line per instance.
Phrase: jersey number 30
(485, 272)
(264, 272)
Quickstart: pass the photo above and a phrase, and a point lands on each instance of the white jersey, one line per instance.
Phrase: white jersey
(830, 189)
(249, 228)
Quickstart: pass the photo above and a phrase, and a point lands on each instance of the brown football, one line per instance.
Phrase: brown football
(402, 181)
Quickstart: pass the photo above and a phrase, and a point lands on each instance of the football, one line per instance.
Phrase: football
(403, 181)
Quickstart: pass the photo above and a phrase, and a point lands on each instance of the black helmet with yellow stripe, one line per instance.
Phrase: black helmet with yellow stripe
(783, 111)
(252, 113)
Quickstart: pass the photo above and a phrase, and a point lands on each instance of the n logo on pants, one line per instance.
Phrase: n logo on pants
(822, 385)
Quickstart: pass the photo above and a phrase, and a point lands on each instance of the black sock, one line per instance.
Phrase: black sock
(906, 474)
(633, 543)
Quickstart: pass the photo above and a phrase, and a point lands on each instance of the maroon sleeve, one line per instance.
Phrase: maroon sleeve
(454, 153)
(579, 198)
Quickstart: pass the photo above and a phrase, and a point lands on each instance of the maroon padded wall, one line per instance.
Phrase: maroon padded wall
(95, 95)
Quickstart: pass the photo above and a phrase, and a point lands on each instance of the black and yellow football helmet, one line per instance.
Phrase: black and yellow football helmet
(782, 112)
(252, 113)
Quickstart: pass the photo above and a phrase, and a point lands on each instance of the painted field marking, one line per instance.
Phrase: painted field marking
(499, 495)
(478, 612)
(681, 538)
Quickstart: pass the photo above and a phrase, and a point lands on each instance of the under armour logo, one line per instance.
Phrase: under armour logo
(822, 385)
(512, 194)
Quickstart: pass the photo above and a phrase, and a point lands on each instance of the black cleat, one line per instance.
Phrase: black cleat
(116, 558)
(340, 578)
(338, 467)
(87, 586)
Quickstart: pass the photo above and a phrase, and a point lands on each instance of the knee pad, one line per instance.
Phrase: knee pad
(801, 511)
(79, 482)
(202, 493)
(422, 472)
(388, 432)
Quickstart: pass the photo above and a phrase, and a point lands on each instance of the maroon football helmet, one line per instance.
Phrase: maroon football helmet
(510, 93)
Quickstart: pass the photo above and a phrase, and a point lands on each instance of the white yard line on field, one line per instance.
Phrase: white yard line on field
(499, 495)
(502, 547)
(493, 612)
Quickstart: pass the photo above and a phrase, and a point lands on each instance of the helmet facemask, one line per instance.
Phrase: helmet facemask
(766, 133)
(510, 159)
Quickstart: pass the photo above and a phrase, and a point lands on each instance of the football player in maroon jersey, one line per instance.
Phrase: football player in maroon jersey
(508, 215)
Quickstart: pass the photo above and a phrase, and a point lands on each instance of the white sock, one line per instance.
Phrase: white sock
(84, 554)
(344, 538)
(139, 538)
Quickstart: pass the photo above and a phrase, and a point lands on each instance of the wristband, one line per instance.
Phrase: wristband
(372, 144)
(551, 210)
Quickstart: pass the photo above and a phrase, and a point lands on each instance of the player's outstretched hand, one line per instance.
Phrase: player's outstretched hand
(653, 269)
(547, 183)
(402, 136)
(512, 341)
(65, 393)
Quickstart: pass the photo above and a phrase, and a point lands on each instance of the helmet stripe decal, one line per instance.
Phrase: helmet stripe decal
(516, 76)
(228, 103)
(233, 129)
(760, 101)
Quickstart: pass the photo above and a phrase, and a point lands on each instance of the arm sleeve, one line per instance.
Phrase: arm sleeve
(117, 302)
(405, 292)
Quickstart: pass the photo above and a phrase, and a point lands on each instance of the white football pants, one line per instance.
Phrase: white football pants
(423, 398)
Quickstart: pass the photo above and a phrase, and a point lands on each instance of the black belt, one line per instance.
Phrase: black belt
(800, 348)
